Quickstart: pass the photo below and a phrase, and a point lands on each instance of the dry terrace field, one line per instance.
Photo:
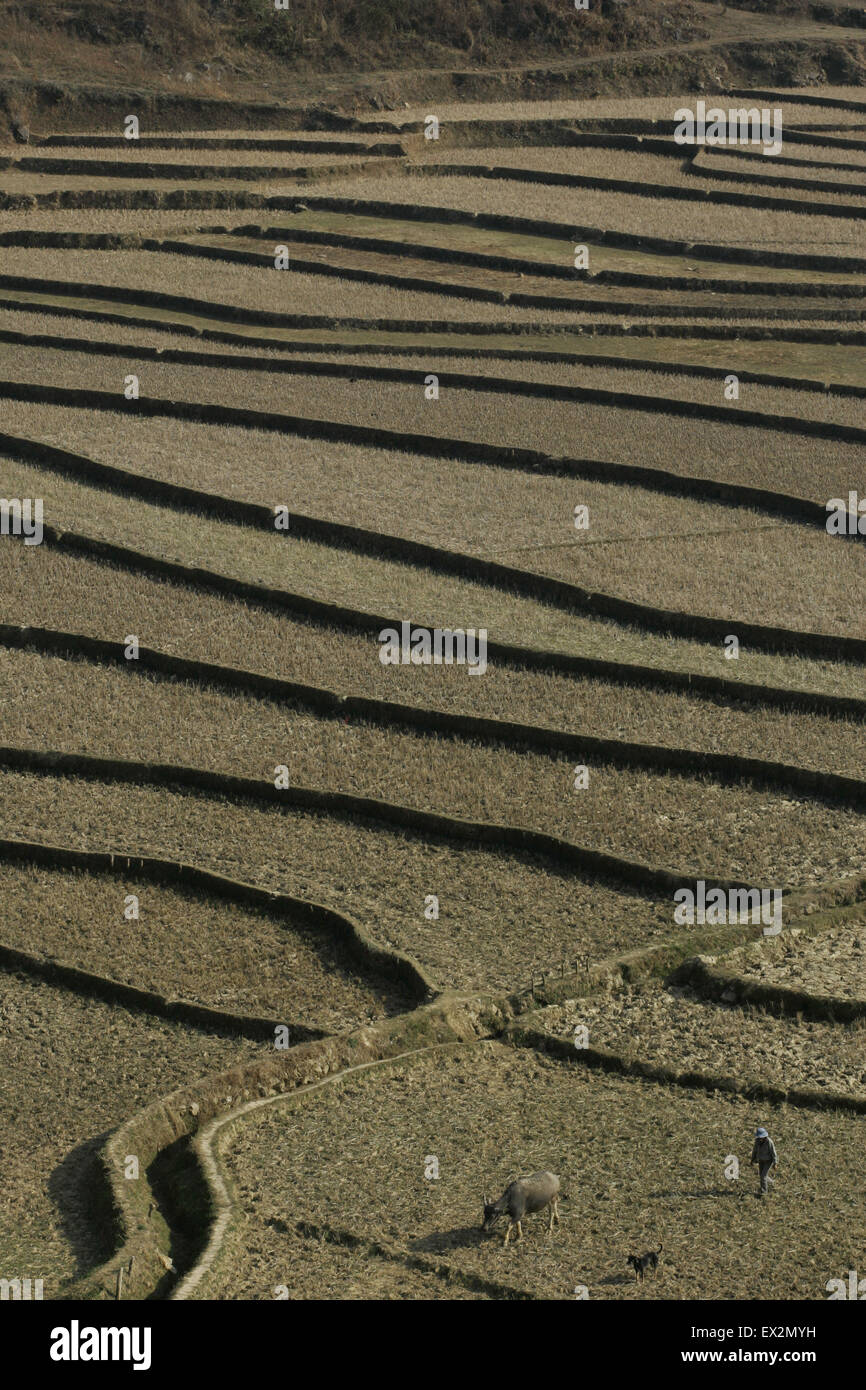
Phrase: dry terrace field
(677, 1028)
(73, 1067)
(628, 167)
(819, 582)
(231, 633)
(829, 964)
(685, 822)
(763, 229)
(819, 366)
(619, 370)
(249, 635)
(257, 965)
(350, 1158)
(489, 934)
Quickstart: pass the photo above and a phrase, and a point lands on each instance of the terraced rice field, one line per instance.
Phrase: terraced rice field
(300, 927)
(460, 1108)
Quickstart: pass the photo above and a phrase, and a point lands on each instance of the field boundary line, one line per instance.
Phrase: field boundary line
(53, 641)
(425, 721)
(183, 1112)
(375, 959)
(741, 155)
(323, 611)
(159, 169)
(103, 241)
(717, 491)
(819, 911)
(91, 985)
(514, 841)
(488, 260)
(802, 426)
(298, 144)
(656, 132)
(569, 232)
(821, 135)
(675, 192)
(708, 171)
(442, 1269)
(799, 98)
(714, 982)
(528, 584)
(461, 1017)
(603, 1059)
(188, 197)
(390, 345)
(221, 1200)
(781, 309)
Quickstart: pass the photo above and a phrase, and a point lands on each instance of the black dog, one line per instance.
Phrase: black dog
(641, 1263)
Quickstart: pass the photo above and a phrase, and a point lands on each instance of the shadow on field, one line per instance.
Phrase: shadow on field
(698, 1192)
(80, 1193)
(438, 1242)
(616, 1280)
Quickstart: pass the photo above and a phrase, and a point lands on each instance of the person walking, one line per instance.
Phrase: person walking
(764, 1154)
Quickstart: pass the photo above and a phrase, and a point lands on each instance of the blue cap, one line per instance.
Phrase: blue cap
(761, 1134)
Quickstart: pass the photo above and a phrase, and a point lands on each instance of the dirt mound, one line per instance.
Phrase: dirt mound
(358, 33)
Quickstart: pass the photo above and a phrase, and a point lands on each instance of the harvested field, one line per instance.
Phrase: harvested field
(832, 964)
(485, 1113)
(672, 379)
(674, 354)
(683, 823)
(267, 179)
(245, 286)
(230, 633)
(663, 532)
(653, 169)
(540, 287)
(488, 935)
(673, 1027)
(654, 108)
(238, 633)
(849, 162)
(72, 1068)
(542, 248)
(184, 945)
(413, 865)
(318, 572)
(735, 562)
(649, 108)
(814, 465)
(622, 212)
(288, 1263)
(784, 172)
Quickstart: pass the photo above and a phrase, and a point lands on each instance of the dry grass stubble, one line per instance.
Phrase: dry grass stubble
(640, 1164)
(490, 933)
(191, 946)
(691, 824)
(46, 588)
